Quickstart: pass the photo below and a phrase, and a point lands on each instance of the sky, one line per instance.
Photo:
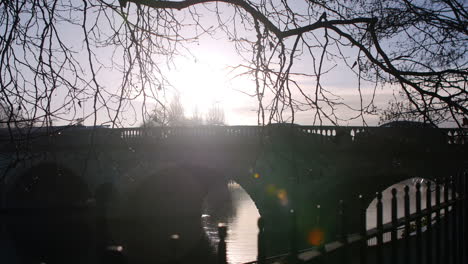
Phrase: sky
(207, 79)
(202, 78)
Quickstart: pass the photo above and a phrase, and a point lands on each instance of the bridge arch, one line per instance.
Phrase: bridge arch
(166, 201)
(47, 184)
(48, 236)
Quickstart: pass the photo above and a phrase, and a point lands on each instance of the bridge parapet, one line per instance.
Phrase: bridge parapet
(453, 135)
(446, 135)
(350, 134)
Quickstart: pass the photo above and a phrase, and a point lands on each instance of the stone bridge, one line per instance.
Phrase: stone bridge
(164, 173)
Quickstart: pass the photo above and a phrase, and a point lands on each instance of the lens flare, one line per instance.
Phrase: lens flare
(315, 237)
(271, 189)
(282, 196)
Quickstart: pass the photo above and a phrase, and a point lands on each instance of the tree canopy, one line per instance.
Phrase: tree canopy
(56, 56)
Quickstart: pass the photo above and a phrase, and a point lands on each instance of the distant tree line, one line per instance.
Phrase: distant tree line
(174, 115)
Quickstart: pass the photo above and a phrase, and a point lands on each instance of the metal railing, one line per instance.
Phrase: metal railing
(437, 234)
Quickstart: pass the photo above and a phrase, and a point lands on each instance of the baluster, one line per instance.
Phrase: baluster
(407, 226)
(222, 232)
(438, 225)
(363, 230)
(394, 227)
(261, 254)
(418, 224)
(379, 228)
(447, 243)
(428, 223)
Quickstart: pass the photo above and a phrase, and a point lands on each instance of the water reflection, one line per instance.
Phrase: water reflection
(240, 214)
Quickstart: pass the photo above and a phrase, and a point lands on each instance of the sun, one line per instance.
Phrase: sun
(207, 79)
(200, 83)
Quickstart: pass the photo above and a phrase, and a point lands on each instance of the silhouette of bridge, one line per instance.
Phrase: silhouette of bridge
(164, 173)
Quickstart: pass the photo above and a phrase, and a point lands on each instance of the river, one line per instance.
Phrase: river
(241, 221)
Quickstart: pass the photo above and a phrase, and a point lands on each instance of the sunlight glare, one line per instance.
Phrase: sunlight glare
(202, 82)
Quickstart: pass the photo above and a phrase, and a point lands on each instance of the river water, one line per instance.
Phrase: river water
(241, 220)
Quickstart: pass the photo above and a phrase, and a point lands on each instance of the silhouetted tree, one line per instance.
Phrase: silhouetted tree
(4, 115)
(197, 118)
(401, 109)
(11, 117)
(176, 113)
(172, 115)
(418, 47)
(215, 115)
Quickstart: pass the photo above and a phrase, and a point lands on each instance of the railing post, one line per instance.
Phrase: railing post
(363, 230)
(394, 227)
(418, 224)
(293, 238)
(454, 220)
(174, 242)
(102, 197)
(407, 226)
(222, 232)
(463, 217)
(438, 224)
(379, 228)
(428, 223)
(446, 255)
(261, 254)
(344, 235)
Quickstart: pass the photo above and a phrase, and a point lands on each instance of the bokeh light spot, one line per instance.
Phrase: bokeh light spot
(256, 175)
(271, 189)
(282, 196)
(315, 237)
